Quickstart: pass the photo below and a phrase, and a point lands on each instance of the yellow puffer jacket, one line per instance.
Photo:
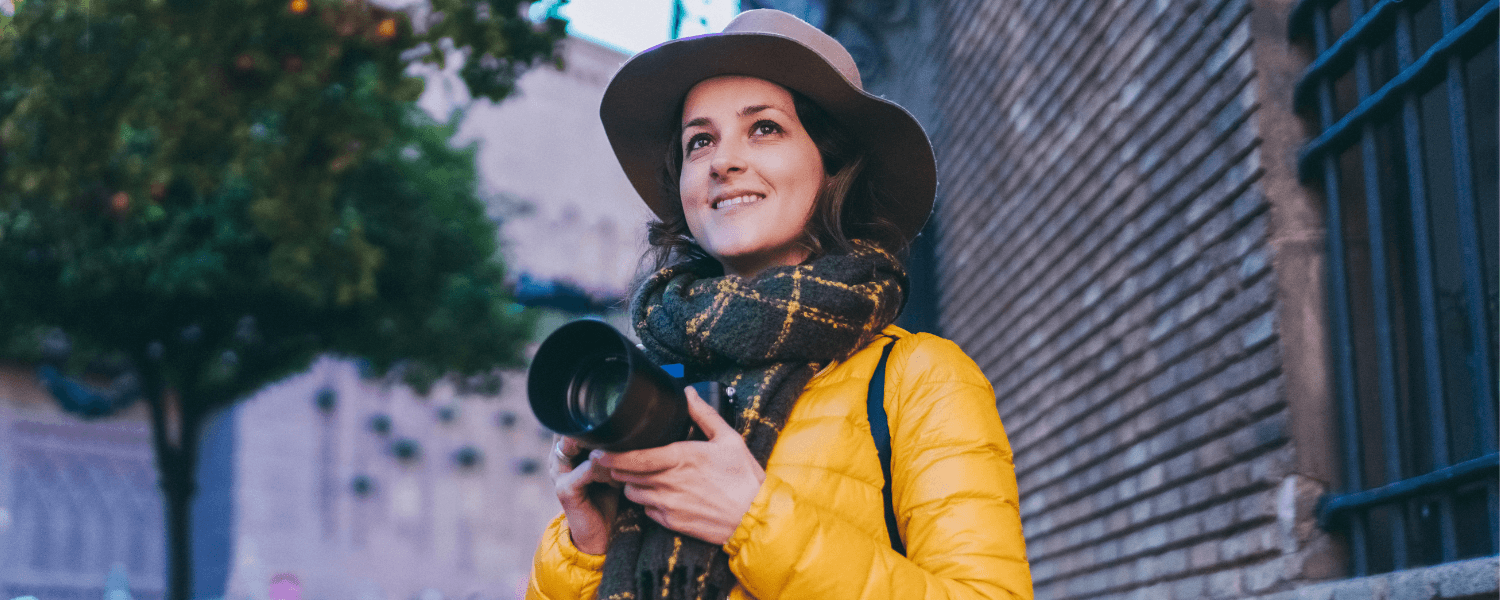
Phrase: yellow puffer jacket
(817, 527)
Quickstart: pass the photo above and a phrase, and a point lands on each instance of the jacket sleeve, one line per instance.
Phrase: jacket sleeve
(955, 495)
(560, 571)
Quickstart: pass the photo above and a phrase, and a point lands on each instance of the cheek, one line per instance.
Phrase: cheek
(695, 181)
(692, 189)
(803, 176)
(804, 167)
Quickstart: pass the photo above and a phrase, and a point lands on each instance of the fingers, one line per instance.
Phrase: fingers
(579, 476)
(641, 462)
(651, 502)
(640, 480)
(563, 453)
(574, 484)
(653, 460)
(588, 508)
(655, 514)
(570, 486)
(639, 495)
(663, 517)
(571, 480)
(708, 419)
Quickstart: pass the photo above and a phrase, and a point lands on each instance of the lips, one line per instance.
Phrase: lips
(735, 200)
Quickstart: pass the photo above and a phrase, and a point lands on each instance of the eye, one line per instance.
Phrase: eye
(765, 128)
(696, 142)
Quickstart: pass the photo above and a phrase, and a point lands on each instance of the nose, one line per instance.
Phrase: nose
(728, 158)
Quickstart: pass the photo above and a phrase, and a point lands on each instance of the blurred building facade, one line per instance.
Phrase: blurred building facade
(365, 490)
(569, 217)
(384, 494)
(77, 499)
(1218, 382)
(358, 489)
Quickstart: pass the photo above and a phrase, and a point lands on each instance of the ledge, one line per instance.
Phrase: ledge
(1474, 578)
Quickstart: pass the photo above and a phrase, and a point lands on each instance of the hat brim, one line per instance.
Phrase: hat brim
(641, 103)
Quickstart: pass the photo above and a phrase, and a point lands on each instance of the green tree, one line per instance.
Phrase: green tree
(214, 192)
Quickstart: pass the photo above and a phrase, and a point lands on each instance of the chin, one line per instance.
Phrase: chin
(732, 251)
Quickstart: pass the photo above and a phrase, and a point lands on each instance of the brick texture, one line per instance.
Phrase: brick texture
(1101, 250)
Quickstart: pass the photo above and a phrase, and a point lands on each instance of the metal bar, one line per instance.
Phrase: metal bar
(1300, 20)
(1437, 415)
(1343, 345)
(1380, 287)
(1478, 27)
(1332, 506)
(1494, 510)
(1343, 49)
(1480, 366)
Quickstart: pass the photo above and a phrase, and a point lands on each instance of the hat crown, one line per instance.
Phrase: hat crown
(765, 21)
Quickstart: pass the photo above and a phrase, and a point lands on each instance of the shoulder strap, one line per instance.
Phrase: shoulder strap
(880, 429)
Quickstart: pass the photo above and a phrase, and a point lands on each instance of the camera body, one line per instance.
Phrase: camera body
(591, 383)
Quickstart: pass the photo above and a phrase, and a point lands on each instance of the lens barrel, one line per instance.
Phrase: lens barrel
(589, 382)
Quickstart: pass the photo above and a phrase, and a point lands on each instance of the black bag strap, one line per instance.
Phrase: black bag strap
(881, 430)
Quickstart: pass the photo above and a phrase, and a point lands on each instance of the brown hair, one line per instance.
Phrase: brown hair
(848, 206)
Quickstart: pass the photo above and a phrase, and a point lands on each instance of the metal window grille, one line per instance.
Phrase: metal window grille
(1404, 96)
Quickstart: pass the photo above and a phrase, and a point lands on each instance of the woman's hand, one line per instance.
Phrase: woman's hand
(588, 496)
(696, 488)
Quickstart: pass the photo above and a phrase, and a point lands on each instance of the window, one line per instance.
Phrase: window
(1404, 97)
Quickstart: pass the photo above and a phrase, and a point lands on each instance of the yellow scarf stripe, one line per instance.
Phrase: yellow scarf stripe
(803, 310)
(793, 308)
(702, 577)
(666, 580)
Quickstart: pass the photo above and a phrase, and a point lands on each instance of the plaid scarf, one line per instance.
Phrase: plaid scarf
(766, 337)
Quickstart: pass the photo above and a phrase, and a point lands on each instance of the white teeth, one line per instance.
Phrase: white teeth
(736, 200)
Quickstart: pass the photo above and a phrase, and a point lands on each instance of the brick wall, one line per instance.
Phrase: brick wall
(1102, 252)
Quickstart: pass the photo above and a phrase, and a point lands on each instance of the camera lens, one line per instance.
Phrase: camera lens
(595, 390)
(589, 382)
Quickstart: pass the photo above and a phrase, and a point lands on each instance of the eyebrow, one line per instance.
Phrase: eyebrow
(744, 112)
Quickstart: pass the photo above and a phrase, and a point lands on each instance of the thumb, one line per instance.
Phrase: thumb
(708, 419)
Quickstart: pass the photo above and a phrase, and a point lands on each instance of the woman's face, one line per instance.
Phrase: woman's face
(750, 173)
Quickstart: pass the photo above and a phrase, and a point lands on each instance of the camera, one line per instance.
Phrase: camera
(591, 383)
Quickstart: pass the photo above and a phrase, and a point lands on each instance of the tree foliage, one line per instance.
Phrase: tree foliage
(212, 192)
(232, 186)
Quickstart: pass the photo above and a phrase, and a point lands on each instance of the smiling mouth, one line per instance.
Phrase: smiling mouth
(737, 200)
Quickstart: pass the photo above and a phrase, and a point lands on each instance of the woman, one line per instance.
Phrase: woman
(784, 193)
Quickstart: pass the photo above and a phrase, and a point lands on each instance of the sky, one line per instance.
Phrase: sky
(635, 25)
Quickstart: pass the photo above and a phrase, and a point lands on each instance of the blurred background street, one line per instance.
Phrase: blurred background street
(270, 272)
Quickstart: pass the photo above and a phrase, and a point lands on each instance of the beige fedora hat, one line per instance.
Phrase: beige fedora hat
(641, 103)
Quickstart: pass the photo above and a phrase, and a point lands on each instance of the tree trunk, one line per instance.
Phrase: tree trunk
(176, 445)
(179, 504)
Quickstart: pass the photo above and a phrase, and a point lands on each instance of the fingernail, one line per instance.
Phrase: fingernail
(596, 455)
